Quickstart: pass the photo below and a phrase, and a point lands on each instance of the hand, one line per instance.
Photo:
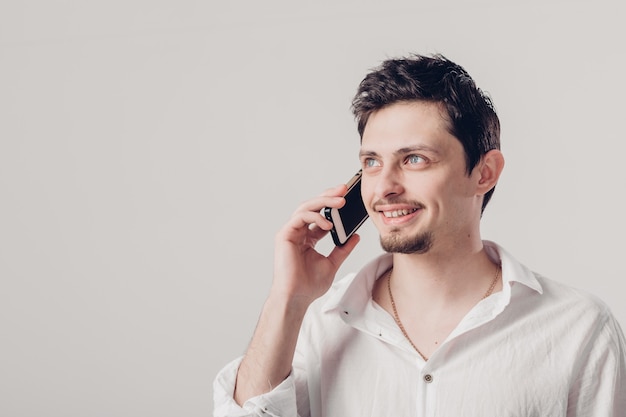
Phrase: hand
(301, 273)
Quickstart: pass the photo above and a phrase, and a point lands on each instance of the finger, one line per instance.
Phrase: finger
(317, 231)
(316, 204)
(340, 253)
(304, 223)
(336, 191)
(309, 215)
(332, 197)
(311, 212)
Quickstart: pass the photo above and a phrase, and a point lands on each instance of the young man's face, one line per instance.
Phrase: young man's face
(415, 184)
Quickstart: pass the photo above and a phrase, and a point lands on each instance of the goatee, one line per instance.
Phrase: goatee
(395, 243)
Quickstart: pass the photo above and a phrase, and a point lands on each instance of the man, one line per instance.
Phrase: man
(445, 324)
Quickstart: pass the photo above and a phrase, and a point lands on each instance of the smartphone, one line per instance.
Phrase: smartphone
(347, 219)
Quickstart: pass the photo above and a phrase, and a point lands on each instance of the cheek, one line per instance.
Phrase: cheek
(436, 188)
(446, 193)
(459, 201)
(366, 195)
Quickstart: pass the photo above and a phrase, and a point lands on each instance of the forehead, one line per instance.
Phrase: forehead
(409, 124)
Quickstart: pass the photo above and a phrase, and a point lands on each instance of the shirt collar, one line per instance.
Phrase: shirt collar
(512, 269)
(351, 294)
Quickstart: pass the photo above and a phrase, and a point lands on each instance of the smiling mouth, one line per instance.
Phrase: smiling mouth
(398, 213)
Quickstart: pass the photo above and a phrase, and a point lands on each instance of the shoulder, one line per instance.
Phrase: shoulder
(576, 310)
(563, 295)
(544, 297)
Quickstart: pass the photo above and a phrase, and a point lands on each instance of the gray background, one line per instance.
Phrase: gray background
(149, 151)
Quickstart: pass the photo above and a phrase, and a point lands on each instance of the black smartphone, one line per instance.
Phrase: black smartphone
(351, 216)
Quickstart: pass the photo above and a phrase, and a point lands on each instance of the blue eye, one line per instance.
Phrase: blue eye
(371, 162)
(415, 159)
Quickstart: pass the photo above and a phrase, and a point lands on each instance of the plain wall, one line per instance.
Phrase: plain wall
(150, 150)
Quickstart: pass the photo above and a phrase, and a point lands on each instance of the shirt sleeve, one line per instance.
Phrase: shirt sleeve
(600, 388)
(280, 402)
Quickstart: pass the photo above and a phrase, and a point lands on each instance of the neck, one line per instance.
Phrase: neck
(432, 293)
(443, 278)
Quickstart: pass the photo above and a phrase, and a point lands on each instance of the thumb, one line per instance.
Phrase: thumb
(340, 253)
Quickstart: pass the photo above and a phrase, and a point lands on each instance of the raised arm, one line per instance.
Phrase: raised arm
(301, 275)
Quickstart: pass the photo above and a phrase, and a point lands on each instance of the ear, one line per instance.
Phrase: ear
(489, 170)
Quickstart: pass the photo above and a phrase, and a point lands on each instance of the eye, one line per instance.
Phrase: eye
(415, 159)
(370, 162)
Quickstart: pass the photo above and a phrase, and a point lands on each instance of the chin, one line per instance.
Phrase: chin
(396, 243)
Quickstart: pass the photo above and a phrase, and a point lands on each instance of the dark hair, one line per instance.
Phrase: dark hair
(471, 113)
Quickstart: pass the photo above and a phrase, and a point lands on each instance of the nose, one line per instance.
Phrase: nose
(388, 182)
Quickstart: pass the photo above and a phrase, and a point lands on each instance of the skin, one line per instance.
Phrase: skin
(410, 161)
(301, 275)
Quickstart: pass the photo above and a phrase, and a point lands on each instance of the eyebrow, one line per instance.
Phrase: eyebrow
(403, 151)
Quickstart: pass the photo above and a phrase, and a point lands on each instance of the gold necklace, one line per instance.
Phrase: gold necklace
(397, 317)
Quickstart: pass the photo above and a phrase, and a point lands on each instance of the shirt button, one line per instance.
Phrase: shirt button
(428, 378)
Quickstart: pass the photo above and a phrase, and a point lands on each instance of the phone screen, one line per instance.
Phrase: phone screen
(353, 213)
(351, 216)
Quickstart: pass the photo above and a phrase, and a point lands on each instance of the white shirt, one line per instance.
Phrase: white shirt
(537, 348)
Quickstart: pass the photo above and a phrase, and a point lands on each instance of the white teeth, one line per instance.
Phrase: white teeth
(398, 213)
